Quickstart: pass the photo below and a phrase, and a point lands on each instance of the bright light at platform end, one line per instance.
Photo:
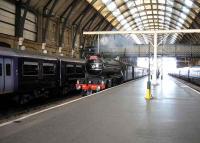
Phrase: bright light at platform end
(143, 62)
(165, 64)
(169, 64)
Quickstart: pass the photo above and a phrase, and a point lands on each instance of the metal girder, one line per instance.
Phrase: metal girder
(31, 9)
(188, 38)
(20, 20)
(111, 27)
(90, 21)
(23, 18)
(74, 37)
(81, 15)
(195, 26)
(116, 24)
(172, 22)
(94, 37)
(45, 7)
(18, 17)
(143, 32)
(48, 15)
(101, 25)
(82, 39)
(78, 25)
(80, 19)
(97, 28)
(193, 38)
(98, 24)
(68, 10)
(106, 26)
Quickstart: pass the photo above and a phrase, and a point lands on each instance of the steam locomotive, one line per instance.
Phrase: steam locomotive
(104, 73)
(96, 65)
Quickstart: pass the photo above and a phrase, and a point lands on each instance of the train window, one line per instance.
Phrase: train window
(70, 68)
(8, 70)
(48, 69)
(0, 69)
(30, 69)
(79, 69)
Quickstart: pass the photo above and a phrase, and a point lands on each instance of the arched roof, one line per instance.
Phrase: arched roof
(150, 14)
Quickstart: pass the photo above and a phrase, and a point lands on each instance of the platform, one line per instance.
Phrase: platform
(118, 115)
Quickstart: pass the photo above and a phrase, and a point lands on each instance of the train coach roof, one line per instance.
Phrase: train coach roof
(13, 52)
(71, 60)
(31, 54)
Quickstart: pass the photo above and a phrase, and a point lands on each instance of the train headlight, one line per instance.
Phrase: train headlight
(78, 87)
(98, 88)
(93, 66)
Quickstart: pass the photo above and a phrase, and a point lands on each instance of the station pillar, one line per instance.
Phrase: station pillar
(154, 80)
(98, 46)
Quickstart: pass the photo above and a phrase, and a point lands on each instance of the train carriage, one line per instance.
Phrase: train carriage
(191, 74)
(71, 70)
(27, 74)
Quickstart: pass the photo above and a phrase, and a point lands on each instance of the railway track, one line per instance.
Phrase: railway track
(190, 84)
(10, 110)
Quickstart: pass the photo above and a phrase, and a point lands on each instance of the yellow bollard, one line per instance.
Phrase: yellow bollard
(148, 95)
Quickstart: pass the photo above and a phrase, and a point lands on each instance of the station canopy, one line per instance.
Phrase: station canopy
(150, 15)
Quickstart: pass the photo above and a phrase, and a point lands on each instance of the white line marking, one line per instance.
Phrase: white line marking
(184, 85)
(57, 106)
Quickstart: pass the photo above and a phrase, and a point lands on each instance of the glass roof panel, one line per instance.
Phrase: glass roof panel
(189, 3)
(150, 14)
(169, 9)
(112, 6)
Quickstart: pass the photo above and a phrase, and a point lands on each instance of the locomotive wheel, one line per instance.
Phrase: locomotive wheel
(84, 93)
(109, 84)
(23, 99)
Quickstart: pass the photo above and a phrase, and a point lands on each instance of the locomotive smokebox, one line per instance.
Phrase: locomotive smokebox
(94, 65)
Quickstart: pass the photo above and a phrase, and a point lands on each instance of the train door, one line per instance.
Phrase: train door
(8, 75)
(1, 76)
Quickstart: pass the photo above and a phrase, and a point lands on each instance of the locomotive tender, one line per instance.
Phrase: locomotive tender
(104, 73)
(24, 74)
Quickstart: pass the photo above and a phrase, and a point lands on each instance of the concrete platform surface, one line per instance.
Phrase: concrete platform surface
(118, 115)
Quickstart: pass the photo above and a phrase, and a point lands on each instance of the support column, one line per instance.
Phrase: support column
(98, 45)
(154, 81)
